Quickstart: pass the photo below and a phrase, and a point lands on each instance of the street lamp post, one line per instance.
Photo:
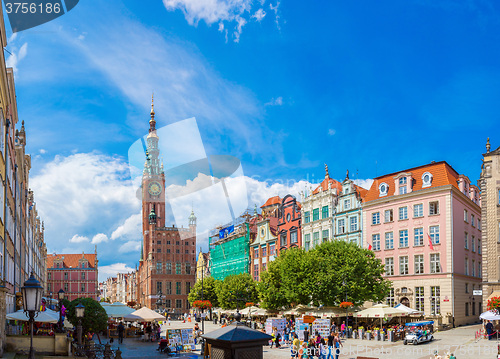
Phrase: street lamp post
(159, 301)
(32, 297)
(202, 309)
(60, 296)
(80, 312)
(346, 310)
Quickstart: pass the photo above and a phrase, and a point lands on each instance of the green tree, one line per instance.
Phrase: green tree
(236, 290)
(209, 291)
(342, 269)
(270, 287)
(95, 318)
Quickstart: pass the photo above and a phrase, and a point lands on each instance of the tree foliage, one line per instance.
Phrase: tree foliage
(323, 276)
(95, 318)
(209, 291)
(236, 290)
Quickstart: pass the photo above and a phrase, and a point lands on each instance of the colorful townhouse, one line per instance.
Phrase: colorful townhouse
(348, 214)
(317, 212)
(424, 224)
(263, 245)
(289, 224)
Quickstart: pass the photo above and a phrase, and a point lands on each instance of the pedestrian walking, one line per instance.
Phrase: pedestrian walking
(342, 329)
(121, 330)
(337, 343)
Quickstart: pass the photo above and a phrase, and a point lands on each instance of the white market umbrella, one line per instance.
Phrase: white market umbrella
(118, 310)
(381, 311)
(408, 310)
(489, 315)
(144, 315)
(47, 316)
(249, 310)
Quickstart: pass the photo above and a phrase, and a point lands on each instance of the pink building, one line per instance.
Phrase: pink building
(424, 225)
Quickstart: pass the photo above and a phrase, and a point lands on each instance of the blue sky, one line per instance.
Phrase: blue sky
(373, 87)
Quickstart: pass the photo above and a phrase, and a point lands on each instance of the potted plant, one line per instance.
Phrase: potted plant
(376, 333)
(349, 331)
(361, 332)
(368, 335)
(390, 335)
(355, 334)
(382, 335)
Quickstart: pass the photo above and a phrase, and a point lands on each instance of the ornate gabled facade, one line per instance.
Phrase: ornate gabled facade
(263, 245)
(489, 183)
(168, 254)
(348, 225)
(289, 224)
(317, 212)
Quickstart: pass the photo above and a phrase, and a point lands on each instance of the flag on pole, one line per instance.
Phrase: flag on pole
(369, 247)
(430, 242)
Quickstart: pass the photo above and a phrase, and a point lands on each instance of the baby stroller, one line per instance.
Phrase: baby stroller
(163, 346)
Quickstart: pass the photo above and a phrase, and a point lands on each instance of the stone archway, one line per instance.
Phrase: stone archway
(405, 301)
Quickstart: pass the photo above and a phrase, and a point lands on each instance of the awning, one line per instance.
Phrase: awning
(494, 294)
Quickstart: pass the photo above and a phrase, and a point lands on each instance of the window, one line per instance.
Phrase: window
(315, 239)
(473, 268)
(389, 240)
(347, 204)
(388, 215)
(376, 218)
(434, 233)
(256, 272)
(390, 301)
(158, 287)
(435, 300)
(272, 249)
(419, 264)
(178, 288)
(426, 180)
(466, 287)
(177, 268)
(177, 251)
(307, 241)
(158, 267)
(283, 239)
(479, 246)
(307, 217)
(49, 276)
(472, 220)
(479, 269)
(188, 287)
(83, 275)
(383, 189)
(418, 237)
(324, 212)
(402, 185)
(403, 265)
(177, 242)
(82, 288)
(354, 224)
(403, 238)
(168, 287)
(403, 213)
(419, 298)
(376, 242)
(256, 252)
(66, 275)
(325, 235)
(389, 266)
(466, 266)
(293, 237)
(168, 268)
(473, 304)
(264, 251)
(264, 267)
(418, 210)
(65, 287)
(473, 243)
(188, 268)
(341, 226)
(435, 265)
(178, 303)
(466, 240)
(315, 214)
(466, 216)
(433, 208)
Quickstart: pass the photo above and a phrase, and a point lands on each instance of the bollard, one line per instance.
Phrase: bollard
(91, 355)
(118, 354)
(107, 351)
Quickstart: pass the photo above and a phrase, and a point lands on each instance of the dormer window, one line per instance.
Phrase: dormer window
(402, 185)
(426, 180)
(383, 189)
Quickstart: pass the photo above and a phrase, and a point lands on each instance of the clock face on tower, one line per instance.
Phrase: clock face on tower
(154, 188)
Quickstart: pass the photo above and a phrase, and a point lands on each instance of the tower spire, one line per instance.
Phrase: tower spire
(488, 146)
(327, 175)
(152, 121)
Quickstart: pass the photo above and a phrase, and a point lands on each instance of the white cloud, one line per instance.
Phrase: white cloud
(112, 269)
(131, 228)
(275, 102)
(365, 183)
(130, 246)
(99, 238)
(212, 11)
(78, 239)
(15, 58)
(276, 16)
(42, 151)
(12, 38)
(331, 132)
(259, 14)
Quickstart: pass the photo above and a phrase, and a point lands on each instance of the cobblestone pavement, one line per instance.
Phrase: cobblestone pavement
(461, 341)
